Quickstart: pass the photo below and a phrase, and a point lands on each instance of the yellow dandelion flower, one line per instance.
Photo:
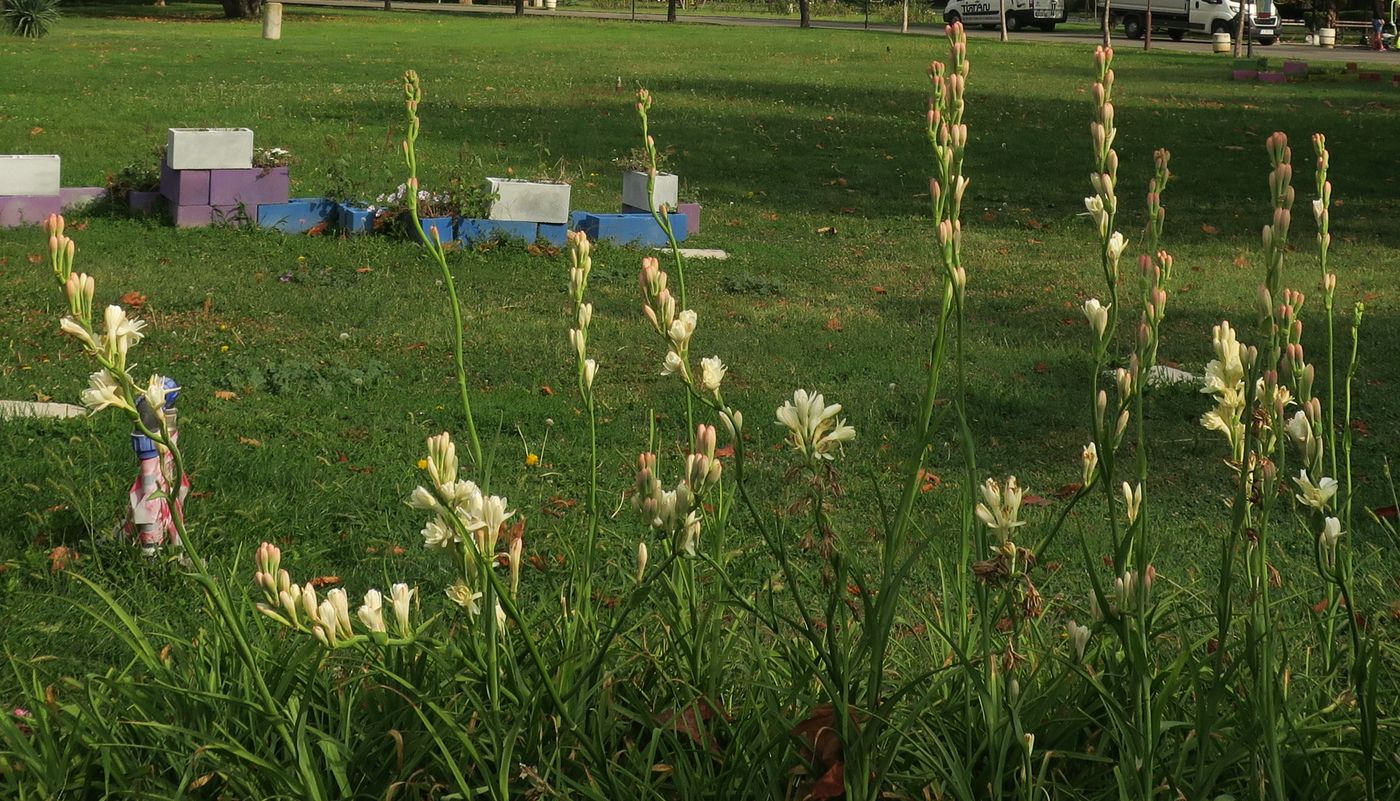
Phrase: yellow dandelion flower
(531, 460)
(422, 464)
(223, 348)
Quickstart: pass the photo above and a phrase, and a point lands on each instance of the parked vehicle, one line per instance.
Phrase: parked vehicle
(1042, 14)
(1176, 17)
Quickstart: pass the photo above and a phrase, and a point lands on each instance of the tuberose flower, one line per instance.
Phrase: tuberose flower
(712, 372)
(813, 428)
(103, 391)
(1001, 507)
(1319, 495)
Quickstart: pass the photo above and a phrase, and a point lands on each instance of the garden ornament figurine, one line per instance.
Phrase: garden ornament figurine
(148, 517)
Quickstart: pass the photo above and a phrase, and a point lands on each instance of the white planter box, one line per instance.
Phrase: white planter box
(529, 201)
(209, 149)
(634, 190)
(32, 176)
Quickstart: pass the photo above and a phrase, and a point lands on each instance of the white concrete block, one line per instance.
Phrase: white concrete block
(32, 176)
(529, 201)
(209, 149)
(14, 410)
(634, 190)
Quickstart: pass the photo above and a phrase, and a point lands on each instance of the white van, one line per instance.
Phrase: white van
(1176, 17)
(1042, 14)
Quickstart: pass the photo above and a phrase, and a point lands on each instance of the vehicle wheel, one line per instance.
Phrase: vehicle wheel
(1176, 34)
(1268, 40)
(952, 18)
(1013, 23)
(1048, 27)
(1220, 26)
(1132, 26)
(987, 26)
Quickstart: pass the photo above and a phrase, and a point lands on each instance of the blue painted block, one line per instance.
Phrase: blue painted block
(632, 229)
(576, 220)
(298, 215)
(446, 228)
(557, 235)
(355, 219)
(472, 230)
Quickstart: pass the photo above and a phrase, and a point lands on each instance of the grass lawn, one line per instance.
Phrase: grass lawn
(338, 352)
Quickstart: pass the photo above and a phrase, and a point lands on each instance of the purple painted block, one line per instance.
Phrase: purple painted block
(1273, 77)
(1371, 77)
(18, 210)
(1295, 67)
(184, 187)
(203, 216)
(142, 202)
(76, 197)
(251, 187)
(1246, 75)
(692, 217)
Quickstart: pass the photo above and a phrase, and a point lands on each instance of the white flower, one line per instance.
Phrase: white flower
(75, 329)
(463, 596)
(340, 605)
(641, 561)
(1116, 244)
(439, 534)
(401, 598)
(1132, 498)
(1318, 496)
(585, 314)
(673, 364)
(1090, 460)
(121, 333)
(371, 613)
(1094, 205)
(1097, 315)
(1000, 507)
(1328, 539)
(1318, 209)
(813, 427)
(103, 391)
(580, 342)
(1079, 635)
(156, 392)
(712, 372)
(1299, 429)
(423, 500)
(590, 369)
(493, 517)
(682, 329)
(442, 459)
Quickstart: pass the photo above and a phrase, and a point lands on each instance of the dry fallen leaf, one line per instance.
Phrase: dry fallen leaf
(224, 394)
(250, 441)
(1241, 261)
(134, 299)
(834, 325)
(826, 230)
(1207, 228)
(324, 581)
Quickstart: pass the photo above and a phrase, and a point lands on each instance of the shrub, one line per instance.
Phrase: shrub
(30, 18)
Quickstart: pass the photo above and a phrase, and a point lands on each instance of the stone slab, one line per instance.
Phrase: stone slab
(476, 230)
(30, 210)
(72, 198)
(209, 148)
(184, 187)
(634, 190)
(29, 175)
(297, 216)
(529, 201)
(14, 410)
(251, 187)
(699, 253)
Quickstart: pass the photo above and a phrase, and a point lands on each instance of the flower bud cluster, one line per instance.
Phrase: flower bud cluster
(1102, 206)
(328, 620)
(1123, 597)
(676, 513)
(1225, 382)
(948, 135)
(1321, 207)
(1000, 509)
(464, 520)
(580, 265)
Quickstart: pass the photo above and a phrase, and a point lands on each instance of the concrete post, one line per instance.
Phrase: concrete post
(272, 20)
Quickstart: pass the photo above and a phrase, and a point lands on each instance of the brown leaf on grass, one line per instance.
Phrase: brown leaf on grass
(547, 250)
(834, 325)
(1042, 368)
(1034, 223)
(832, 784)
(691, 720)
(80, 226)
(771, 216)
(364, 269)
(1067, 491)
(134, 299)
(1207, 228)
(224, 394)
(557, 506)
(989, 216)
(1241, 261)
(1386, 512)
(416, 346)
(826, 230)
(324, 581)
(1359, 426)
(36, 258)
(727, 450)
(929, 481)
(62, 557)
(250, 442)
(848, 210)
(546, 390)
(877, 289)
(319, 229)
(1034, 500)
(1321, 606)
(35, 131)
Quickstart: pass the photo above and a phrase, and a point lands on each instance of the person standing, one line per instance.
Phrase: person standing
(1378, 11)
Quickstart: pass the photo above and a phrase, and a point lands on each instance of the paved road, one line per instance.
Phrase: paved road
(1280, 50)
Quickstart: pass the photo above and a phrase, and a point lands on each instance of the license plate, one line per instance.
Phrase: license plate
(1046, 11)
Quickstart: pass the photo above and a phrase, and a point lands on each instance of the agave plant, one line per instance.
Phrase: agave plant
(29, 18)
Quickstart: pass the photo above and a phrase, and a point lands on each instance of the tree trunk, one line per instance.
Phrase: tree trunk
(670, 10)
(804, 10)
(1107, 25)
(1239, 34)
(1005, 37)
(241, 9)
(904, 18)
(1147, 31)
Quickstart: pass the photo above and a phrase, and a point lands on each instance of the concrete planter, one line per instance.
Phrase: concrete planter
(184, 187)
(446, 227)
(209, 148)
(18, 210)
(205, 216)
(528, 201)
(1273, 77)
(1246, 75)
(690, 210)
(143, 202)
(474, 230)
(297, 216)
(634, 190)
(251, 187)
(29, 176)
(352, 218)
(632, 229)
(74, 198)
